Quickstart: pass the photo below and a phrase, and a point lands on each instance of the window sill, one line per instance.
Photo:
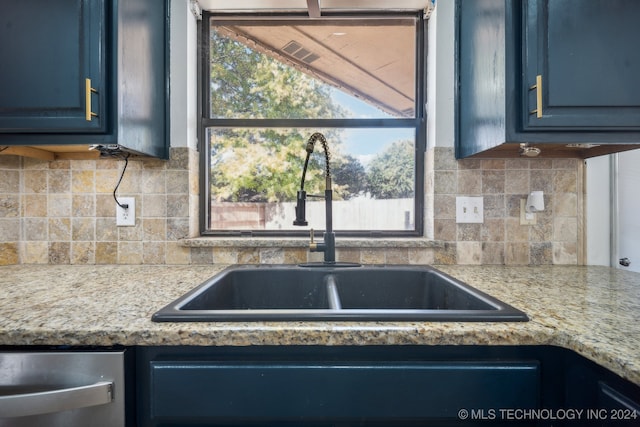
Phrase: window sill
(292, 242)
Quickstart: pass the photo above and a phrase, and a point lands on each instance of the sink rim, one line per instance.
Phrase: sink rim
(501, 311)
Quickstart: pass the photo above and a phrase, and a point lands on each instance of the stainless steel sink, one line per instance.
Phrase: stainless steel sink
(291, 292)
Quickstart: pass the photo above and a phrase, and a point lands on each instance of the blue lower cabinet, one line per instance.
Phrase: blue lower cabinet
(607, 399)
(331, 386)
(225, 392)
(396, 386)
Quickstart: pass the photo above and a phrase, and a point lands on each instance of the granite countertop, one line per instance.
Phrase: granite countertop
(594, 311)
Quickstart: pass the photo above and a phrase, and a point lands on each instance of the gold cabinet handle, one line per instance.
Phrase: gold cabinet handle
(88, 114)
(538, 88)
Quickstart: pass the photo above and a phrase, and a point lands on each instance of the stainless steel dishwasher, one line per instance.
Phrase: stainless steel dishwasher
(62, 389)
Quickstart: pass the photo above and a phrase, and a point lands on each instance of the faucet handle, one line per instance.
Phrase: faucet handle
(301, 199)
(312, 244)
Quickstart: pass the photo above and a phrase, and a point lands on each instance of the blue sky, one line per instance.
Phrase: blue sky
(365, 143)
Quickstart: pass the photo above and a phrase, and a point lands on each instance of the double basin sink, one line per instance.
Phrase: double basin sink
(325, 292)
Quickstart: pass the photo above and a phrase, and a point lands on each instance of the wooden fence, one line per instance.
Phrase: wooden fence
(355, 214)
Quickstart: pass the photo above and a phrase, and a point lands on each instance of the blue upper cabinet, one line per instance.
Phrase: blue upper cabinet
(586, 58)
(85, 72)
(558, 75)
(48, 56)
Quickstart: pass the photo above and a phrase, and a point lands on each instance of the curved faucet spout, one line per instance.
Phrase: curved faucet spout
(328, 246)
(317, 136)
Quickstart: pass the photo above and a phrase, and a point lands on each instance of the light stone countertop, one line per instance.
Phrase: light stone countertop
(303, 242)
(594, 311)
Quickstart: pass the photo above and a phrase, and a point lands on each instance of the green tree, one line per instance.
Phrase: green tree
(258, 165)
(391, 173)
(350, 176)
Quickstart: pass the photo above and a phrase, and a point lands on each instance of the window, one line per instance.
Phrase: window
(270, 82)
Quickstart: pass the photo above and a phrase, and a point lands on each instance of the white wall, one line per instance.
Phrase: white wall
(440, 75)
(597, 210)
(183, 75)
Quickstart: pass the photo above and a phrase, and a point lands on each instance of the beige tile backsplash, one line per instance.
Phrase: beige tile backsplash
(63, 212)
(557, 237)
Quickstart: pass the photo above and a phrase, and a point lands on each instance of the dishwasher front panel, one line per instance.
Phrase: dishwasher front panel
(62, 389)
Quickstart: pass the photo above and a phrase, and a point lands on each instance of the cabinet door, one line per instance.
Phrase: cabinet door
(382, 393)
(49, 49)
(586, 54)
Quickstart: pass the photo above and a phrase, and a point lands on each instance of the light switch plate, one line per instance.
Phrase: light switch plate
(469, 210)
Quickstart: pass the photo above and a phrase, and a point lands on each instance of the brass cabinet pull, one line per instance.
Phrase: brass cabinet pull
(538, 88)
(88, 114)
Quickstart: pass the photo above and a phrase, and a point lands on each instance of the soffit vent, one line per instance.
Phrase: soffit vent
(295, 49)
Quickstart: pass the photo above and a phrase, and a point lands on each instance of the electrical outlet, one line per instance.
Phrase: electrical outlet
(526, 218)
(469, 210)
(126, 217)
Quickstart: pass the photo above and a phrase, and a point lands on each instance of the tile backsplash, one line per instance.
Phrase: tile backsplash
(557, 237)
(63, 212)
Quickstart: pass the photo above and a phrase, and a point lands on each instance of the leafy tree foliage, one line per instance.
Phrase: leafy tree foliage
(265, 165)
(260, 165)
(350, 176)
(391, 173)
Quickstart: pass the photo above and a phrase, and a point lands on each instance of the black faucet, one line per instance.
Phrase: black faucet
(328, 245)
